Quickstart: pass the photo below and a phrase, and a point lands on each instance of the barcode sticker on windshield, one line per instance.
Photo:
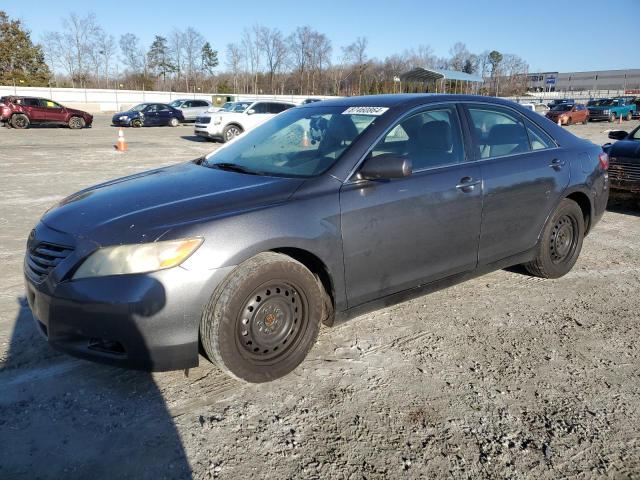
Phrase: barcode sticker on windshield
(377, 111)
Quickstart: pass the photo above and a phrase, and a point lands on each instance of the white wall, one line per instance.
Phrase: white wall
(97, 100)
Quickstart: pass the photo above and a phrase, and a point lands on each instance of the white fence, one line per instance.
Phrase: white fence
(97, 100)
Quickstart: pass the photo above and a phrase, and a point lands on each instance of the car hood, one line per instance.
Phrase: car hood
(80, 112)
(625, 148)
(144, 206)
(128, 113)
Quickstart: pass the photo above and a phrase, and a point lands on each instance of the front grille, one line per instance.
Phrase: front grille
(44, 258)
(203, 120)
(623, 170)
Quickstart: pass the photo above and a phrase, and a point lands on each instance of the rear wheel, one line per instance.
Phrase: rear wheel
(561, 242)
(263, 319)
(76, 123)
(20, 120)
(230, 132)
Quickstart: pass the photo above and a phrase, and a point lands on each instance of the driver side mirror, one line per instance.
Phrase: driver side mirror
(618, 134)
(251, 111)
(385, 166)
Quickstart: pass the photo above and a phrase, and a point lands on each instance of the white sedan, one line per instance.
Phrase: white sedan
(241, 117)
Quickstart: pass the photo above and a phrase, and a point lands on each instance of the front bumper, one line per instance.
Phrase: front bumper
(143, 321)
(598, 116)
(120, 123)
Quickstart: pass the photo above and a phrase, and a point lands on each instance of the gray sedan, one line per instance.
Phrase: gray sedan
(191, 109)
(322, 213)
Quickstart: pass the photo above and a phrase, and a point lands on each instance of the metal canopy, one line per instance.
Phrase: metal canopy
(420, 74)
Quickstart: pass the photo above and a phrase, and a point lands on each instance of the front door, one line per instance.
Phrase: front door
(401, 233)
(524, 175)
(52, 111)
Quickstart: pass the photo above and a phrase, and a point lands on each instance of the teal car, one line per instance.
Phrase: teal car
(612, 109)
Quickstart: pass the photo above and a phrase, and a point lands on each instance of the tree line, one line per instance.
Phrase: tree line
(264, 60)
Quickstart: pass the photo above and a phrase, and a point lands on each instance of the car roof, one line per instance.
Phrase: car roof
(405, 100)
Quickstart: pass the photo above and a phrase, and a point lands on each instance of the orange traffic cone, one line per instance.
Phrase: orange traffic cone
(619, 119)
(305, 140)
(121, 144)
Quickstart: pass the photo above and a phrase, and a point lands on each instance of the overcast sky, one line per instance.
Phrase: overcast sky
(558, 35)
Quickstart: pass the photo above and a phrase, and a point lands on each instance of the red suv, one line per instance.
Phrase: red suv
(20, 112)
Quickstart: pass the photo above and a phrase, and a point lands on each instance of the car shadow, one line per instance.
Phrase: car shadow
(624, 203)
(194, 138)
(61, 417)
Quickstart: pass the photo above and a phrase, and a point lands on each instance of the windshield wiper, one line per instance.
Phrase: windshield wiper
(233, 167)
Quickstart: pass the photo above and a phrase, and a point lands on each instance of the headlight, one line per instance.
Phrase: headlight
(124, 117)
(140, 258)
(217, 120)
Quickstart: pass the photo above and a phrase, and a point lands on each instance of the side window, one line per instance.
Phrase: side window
(430, 139)
(498, 132)
(538, 138)
(200, 103)
(151, 108)
(260, 108)
(187, 104)
(278, 107)
(163, 108)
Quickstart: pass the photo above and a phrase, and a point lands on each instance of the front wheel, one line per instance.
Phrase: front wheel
(263, 319)
(561, 242)
(612, 118)
(76, 123)
(585, 121)
(174, 122)
(230, 132)
(629, 116)
(136, 123)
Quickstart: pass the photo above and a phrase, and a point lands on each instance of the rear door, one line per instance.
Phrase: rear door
(524, 175)
(32, 108)
(401, 233)
(165, 113)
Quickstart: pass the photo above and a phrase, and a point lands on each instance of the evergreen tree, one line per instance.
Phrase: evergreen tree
(209, 58)
(159, 59)
(20, 60)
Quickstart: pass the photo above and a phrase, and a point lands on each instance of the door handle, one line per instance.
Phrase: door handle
(557, 164)
(467, 184)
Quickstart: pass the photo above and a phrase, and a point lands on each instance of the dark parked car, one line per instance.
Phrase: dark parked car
(320, 214)
(20, 112)
(569, 114)
(560, 101)
(149, 115)
(624, 157)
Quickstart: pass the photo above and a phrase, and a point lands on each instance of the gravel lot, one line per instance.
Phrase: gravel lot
(504, 376)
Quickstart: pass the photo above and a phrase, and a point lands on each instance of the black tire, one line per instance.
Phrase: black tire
(612, 117)
(629, 116)
(585, 121)
(136, 123)
(561, 242)
(76, 123)
(569, 121)
(20, 120)
(230, 132)
(174, 122)
(263, 319)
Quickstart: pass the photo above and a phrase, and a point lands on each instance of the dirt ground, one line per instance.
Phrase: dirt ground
(505, 376)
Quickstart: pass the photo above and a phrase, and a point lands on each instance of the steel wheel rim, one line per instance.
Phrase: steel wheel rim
(232, 132)
(271, 322)
(564, 238)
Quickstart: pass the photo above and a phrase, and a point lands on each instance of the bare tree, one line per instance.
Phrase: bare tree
(252, 53)
(356, 52)
(274, 50)
(134, 56)
(233, 62)
(176, 48)
(102, 52)
(300, 43)
(193, 42)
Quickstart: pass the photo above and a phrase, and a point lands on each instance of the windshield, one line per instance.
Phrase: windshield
(562, 108)
(139, 108)
(176, 103)
(226, 107)
(301, 142)
(602, 102)
(239, 107)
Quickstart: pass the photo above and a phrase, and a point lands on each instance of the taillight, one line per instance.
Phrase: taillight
(603, 161)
